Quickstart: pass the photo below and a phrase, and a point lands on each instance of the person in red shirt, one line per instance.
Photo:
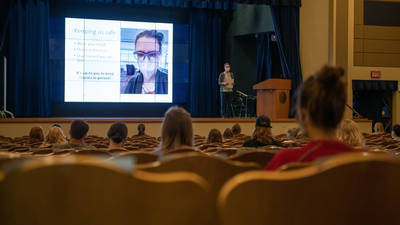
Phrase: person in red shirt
(320, 107)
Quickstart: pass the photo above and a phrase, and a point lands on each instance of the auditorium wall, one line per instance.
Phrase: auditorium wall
(356, 8)
(327, 33)
(315, 35)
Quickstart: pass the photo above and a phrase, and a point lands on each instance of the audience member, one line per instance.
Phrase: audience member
(36, 135)
(228, 133)
(236, 130)
(56, 125)
(262, 134)
(293, 133)
(214, 136)
(55, 136)
(77, 132)
(117, 134)
(349, 133)
(378, 128)
(176, 130)
(396, 132)
(141, 130)
(320, 106)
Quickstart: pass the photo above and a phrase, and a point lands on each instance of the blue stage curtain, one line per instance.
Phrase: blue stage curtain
(206, 62)
(264, 61)
(29, 80)
(286, 24)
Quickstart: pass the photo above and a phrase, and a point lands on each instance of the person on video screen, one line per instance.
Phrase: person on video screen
(148, 79)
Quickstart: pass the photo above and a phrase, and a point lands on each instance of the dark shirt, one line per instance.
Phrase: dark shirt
(136, 82)
(254, 143)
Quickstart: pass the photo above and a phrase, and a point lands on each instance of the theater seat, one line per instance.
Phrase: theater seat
(215, 170)
(354, 189)
(75, 192)
(140, 156)
(256, 156)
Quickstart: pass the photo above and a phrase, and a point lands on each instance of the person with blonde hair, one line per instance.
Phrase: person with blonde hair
(262, 134)
(55, 136)
(349, 133)
(378, 128)
(176, 130)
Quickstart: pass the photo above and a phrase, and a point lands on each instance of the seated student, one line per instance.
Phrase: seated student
(176, 130)
(228, 133)
(378, 128)
(56, 125)
(236, 130)
(141, 128)
(117, 134)
(396, 132)
(54, 137)
(36, 135)
(262, 134)
(78, 132)
(214, 137)
(320, 106)
(293, 133)
(349, 133)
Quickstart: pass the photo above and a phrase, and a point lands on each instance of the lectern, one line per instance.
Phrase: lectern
(273, 98)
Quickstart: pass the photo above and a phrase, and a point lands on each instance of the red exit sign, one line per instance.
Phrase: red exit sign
(375, 74)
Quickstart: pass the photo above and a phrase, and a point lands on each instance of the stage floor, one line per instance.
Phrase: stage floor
(98, 126)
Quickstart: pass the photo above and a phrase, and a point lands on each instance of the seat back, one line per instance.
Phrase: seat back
(355, 188)
(96, 153)
(215, 170)
(140, 156)
(260, 157)
(91, 192)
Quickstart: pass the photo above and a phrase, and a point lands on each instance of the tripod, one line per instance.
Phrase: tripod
(4, 113)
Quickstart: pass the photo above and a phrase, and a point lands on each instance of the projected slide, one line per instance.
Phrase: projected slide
(118, 61)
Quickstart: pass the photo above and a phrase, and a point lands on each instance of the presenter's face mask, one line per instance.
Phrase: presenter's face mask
(147, 54)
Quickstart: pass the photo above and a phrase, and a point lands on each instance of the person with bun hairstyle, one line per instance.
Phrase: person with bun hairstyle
(117, 134)
(320, 108)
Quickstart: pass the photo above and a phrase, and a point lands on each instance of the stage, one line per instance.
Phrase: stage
(98, 126)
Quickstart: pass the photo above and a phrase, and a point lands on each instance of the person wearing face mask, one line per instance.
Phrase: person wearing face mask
(148, 79)
(226, 82)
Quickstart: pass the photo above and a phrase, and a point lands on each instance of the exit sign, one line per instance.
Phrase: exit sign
(375, 74)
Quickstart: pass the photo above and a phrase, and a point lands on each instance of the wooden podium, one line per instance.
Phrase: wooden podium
(273, 98)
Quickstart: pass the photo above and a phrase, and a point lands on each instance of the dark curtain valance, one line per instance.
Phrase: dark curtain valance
(202, 4)
(374, 85)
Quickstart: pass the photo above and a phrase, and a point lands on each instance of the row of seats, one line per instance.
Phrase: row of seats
(353, 188)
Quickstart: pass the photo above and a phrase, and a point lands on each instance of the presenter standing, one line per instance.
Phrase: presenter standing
(226, 82)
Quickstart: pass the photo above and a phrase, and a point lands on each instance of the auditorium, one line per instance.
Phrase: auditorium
(199, 112)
